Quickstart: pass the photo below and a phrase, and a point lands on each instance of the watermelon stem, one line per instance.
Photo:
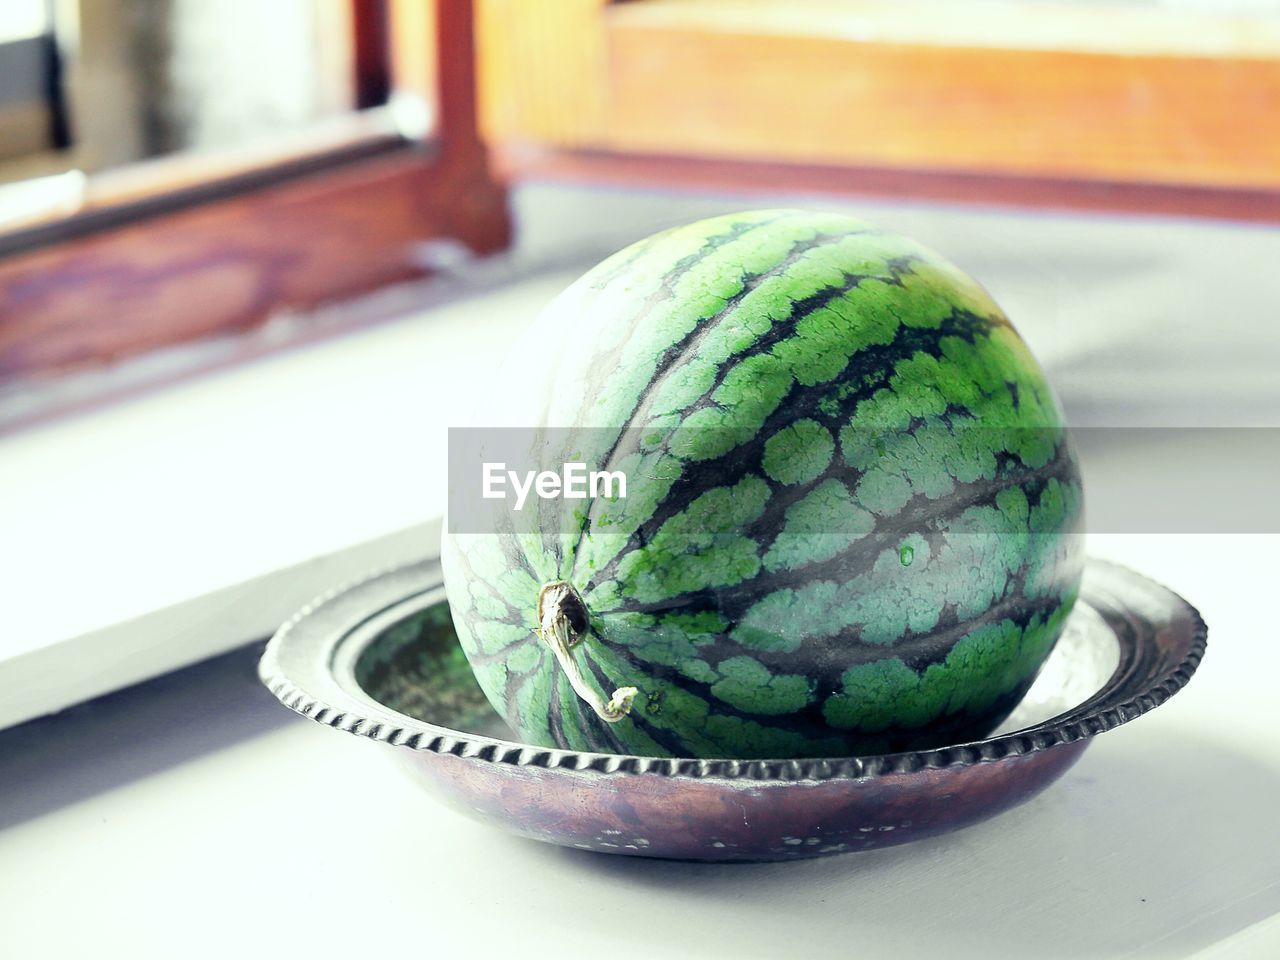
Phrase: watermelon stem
(563, 620)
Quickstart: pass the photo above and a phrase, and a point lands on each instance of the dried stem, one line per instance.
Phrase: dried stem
(563, 624)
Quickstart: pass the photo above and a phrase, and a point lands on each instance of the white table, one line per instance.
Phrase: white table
(194, 817)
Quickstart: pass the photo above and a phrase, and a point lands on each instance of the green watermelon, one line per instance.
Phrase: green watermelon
(853, 515)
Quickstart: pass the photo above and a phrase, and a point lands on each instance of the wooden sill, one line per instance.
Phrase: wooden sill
(76, 205)
(188, 247)
(516, 162)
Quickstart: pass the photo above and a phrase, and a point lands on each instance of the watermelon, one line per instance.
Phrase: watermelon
(853, 515)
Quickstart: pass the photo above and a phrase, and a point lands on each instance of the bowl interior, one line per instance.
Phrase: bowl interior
(416, 666)
(410, 661)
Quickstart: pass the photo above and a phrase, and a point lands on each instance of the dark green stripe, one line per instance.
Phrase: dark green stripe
(825, 658)
(554, 722)
(800, 402)
(920, 511)
(679, 352)
(666, 739)
(677, 356)
(605, 364)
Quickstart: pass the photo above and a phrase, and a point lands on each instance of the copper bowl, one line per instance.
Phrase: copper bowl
(379, 659)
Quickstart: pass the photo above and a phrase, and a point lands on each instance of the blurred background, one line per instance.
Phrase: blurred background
(248, 251)
(257, 257)
(95, 85)
(178, 173)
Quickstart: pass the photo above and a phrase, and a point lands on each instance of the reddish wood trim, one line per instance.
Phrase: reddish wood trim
(1080, 114)
(456, 75)
(164, 185)
(141, 280)
(225, 266)
(698, 173)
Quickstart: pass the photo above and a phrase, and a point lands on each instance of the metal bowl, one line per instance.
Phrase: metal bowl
(380, 659)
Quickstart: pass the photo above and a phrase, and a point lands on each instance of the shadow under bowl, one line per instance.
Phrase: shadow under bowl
(380, 659)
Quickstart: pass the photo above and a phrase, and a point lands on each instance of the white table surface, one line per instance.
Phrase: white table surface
(153, 533)
(194, 817)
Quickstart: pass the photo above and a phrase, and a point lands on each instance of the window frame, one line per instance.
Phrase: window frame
(185, 247)
(1131, 109)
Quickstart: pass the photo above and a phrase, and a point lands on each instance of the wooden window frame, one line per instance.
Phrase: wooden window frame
(1122, 109)
(183, 248)
(187, 247)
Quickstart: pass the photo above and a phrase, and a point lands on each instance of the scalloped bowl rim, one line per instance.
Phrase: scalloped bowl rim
(360, 714)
